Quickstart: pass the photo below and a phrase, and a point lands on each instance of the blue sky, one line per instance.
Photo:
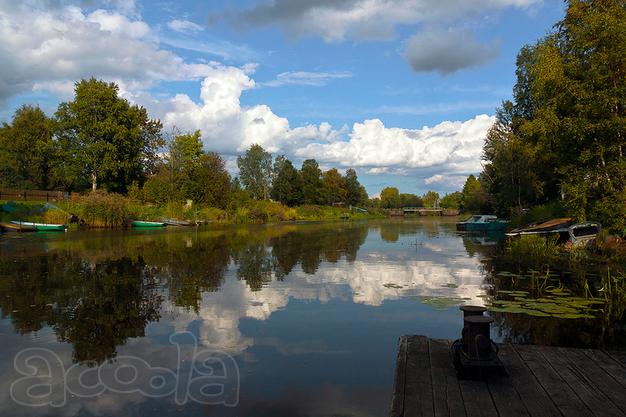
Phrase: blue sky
(401, 90)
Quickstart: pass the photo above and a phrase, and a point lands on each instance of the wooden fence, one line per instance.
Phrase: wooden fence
(32, 195)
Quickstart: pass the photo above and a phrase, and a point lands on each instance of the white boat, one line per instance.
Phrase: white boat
(565, 229)
(41, 226)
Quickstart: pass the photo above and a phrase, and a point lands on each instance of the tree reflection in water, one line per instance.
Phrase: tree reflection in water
(96, 291)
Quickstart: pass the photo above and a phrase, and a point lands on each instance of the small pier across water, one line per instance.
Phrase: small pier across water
(422, 211)
(541, 381)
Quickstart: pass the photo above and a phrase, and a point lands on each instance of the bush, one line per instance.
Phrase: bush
(540, 213)
(55, 216)
(157, 190)
(210, 214)
(533, 249)
(102, 209)
(262, 211)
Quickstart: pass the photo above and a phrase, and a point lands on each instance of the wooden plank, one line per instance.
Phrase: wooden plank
(573, 375)
(507, 400)
(609, 365)
(418, 394)
(477, 399)
(447, 397)
(535, 399)
(397, 400)
(559, 392)
(619, 357)
(601, 373)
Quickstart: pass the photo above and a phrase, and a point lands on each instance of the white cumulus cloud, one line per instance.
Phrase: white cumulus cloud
(54, 46)
(449, 148)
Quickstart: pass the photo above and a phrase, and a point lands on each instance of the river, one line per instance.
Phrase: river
(301, 319)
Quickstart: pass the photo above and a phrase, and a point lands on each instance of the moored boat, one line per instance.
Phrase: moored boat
(566, 230)
(48, 227)
(482, 223)
(145, 224)
(174, 222)
(11, 227)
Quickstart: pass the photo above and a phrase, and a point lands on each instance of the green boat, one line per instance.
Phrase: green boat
(144, 224)
(48, 227)
(482, 223)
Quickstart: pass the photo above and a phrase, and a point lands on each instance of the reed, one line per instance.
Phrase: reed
(100, 209)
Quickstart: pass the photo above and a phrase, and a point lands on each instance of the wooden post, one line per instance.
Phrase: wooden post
(476, 335)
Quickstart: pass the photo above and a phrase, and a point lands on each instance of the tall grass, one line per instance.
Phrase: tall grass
(103, 210)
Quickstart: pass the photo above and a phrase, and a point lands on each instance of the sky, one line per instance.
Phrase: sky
(403, 91)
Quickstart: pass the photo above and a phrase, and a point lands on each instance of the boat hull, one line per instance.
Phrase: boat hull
(11, 227)
(41, 226)
(174, 222)
(145, 225)
(485, 227)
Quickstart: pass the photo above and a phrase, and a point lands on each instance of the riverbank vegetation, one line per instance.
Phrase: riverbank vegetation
(123, 166)
(557, 148)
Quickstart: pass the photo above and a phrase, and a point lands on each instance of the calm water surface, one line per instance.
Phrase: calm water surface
(310, 313)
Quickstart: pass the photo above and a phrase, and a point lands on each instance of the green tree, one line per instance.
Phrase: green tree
(390, 198)
(452, 200)
(334, 190)
(363, 197)
(209, 182)
(410, 200)
(103, 139)
(255, 171)
(287, 184)
(351, 183)
(26, 149)
(513, 164)
(312, 185)
(473, 197)
(430, 199)
(563, 136)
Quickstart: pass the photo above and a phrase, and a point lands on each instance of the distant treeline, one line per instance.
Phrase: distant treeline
(99, 141)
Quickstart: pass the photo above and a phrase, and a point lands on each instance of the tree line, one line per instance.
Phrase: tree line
(101, 141)
(392, 198)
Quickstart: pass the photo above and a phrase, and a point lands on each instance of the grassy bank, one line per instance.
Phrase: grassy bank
(107, 210)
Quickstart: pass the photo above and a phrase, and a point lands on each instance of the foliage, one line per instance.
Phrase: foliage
(287, 184)
(255, 171)
(539, 249)
(264, 211)
(311, 176)
(452, 200)
(355, 192)
(55, 216)
(430, 199)
(390, 198)
(102, 209)
(410, 200)
(188, 172)
(563, 135)
(102, 139)
(26, 149)
(333, 186)
(157, 189)
(474, 198)
(538, 213)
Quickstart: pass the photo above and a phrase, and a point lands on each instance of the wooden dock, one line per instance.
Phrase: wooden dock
(541, 381)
